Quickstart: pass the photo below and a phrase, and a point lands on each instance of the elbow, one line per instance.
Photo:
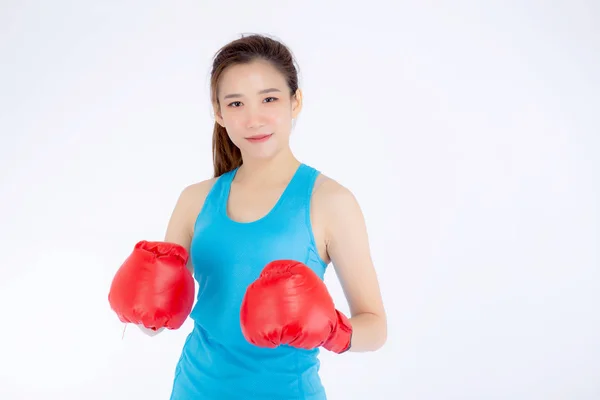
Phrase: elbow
(379, 335)
(382, 337)
(376, 342)
(382, 332)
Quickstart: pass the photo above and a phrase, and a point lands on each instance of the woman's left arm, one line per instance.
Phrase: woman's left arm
(349, 250)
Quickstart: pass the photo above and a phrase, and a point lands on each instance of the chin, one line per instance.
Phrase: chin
(264, 151)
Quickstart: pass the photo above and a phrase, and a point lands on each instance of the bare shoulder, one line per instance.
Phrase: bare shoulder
(198, 191)
(191, 200)
(330, 194)
(334, 203)
(193, 196)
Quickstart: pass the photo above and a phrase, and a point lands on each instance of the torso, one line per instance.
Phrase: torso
(238, 229)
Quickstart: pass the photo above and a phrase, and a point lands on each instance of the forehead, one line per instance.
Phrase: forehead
(254, 76)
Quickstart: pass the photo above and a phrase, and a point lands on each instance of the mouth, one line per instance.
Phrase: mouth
(259, 138)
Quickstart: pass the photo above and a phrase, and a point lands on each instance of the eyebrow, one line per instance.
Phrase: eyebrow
(264, 91)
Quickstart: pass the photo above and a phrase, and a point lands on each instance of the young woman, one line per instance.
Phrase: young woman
(263, 205)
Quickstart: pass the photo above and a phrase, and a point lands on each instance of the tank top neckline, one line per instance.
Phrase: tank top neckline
(227, 190)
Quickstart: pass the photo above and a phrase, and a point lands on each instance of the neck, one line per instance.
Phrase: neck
(279, 167)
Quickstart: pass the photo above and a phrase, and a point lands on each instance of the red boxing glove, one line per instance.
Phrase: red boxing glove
(153, 287)
(289, 304)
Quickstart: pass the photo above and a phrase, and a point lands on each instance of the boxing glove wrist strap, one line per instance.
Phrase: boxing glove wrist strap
(341, 337)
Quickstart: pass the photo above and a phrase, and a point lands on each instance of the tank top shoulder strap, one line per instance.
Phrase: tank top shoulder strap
(297, 196)
(217, 194)
(301, 186)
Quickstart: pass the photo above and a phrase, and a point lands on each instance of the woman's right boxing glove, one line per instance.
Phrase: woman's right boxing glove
(153, 287)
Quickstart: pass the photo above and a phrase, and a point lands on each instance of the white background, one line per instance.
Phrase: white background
(470, 134)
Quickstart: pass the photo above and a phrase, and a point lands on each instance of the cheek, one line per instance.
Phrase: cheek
(278, 118)
(235, 123)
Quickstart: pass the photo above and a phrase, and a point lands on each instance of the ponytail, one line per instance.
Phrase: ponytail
(226, 155)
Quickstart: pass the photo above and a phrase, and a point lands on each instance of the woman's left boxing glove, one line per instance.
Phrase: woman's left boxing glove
(153, 287)
(290, 305)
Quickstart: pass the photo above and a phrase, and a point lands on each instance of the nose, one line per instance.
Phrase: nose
(255, 118)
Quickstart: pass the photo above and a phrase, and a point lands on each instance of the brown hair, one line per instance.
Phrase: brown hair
(226, 155)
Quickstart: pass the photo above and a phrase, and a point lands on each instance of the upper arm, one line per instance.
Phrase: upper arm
(349, 250)
(180, 228)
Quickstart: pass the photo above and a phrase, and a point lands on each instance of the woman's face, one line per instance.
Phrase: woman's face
(256, 108)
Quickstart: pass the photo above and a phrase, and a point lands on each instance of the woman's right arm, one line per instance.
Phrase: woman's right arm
(180, 228)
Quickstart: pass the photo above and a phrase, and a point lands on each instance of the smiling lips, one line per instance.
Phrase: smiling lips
(259, 138)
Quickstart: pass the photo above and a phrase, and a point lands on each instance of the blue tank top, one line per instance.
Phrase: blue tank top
(217, 363)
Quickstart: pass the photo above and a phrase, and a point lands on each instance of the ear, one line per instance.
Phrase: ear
(296, 103)
(218, 116)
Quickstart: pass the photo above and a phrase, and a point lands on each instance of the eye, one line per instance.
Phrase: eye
(235, 104)
(271, 98)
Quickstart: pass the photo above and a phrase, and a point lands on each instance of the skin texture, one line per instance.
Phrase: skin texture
(253, 99)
